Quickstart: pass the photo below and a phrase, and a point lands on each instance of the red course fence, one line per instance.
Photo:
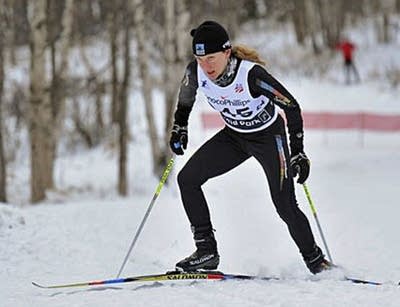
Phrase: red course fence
(329, 121)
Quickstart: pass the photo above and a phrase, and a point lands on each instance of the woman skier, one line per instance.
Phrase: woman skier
(237, 86)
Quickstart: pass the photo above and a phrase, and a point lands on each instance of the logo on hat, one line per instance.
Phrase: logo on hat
(226, 45)
(200, 49)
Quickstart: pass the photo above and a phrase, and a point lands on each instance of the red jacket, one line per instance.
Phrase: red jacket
(347, 49)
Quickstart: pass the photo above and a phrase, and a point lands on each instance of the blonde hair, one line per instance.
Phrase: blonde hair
(246, 53)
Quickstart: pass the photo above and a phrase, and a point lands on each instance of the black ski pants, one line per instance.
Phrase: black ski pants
(226, 150)
(350, 67)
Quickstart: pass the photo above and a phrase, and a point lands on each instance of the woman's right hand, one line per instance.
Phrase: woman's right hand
(179, 139)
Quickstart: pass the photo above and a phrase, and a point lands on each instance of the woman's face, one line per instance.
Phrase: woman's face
(214, 64)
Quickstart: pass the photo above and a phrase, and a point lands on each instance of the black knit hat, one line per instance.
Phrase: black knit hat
(209, 37)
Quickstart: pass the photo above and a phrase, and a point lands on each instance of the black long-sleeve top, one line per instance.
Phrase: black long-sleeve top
(260, 83)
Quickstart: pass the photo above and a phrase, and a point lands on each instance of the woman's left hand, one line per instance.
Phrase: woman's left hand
(300, 165)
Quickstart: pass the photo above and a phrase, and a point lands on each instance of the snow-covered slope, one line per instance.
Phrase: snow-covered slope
(355, 192)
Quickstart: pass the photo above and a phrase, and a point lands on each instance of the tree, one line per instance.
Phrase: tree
(314, 19)
(143, 60)
(299, 19)
(383, 20)
(3, 166)
(170, 45)
(123, 105)
(40, 119)
(176, 35)
(331, 20)
(59, 72)
(113, 31)
(45, 98)
(92, 131)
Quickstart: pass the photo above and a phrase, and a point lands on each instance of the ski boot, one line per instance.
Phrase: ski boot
(316, 261)
(206, 255)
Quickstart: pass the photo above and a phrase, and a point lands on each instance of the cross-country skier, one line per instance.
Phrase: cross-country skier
(237, 86)
(347, 48)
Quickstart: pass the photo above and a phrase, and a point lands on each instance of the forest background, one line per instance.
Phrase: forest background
(58, 96)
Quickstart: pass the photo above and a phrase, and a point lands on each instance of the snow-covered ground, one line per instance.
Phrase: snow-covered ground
(354, 187)
(83, 233)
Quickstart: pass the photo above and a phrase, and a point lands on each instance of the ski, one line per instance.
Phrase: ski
(177, 275)
(169, 276)
(362, 281)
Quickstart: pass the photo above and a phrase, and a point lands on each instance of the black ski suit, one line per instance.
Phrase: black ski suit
(229, 148)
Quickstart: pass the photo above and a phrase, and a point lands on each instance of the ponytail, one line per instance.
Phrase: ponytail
(246, 53)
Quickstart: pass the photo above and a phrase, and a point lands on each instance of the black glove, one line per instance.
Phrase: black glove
(300, 165)
(179, 139)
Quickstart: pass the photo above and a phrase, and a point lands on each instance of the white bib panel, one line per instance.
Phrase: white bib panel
(239, 110)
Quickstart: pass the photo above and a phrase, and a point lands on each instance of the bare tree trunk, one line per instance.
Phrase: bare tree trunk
(80, 127)
(11, 16)
(332, 20)
(40, 129)
(181, 46)
(54, 96)
(57, 93)
(143, 60)
(229, 14)
(3, 165)
(169, 57)
(176, 23)
(169, 73)
(98, 91)
(312, 24)
(175, 51)
(386, 23)
(388, 7)
(382, 19)
(66, 38)
(113, 32)
(299, 20)
(123, 111)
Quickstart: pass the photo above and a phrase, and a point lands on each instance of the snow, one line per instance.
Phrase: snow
(83, 231)
(354, 190)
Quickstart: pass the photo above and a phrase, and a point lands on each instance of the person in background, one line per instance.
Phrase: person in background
(237, 85)
(347, 49)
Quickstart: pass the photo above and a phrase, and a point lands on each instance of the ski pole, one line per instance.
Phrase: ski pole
(314, 212)
(158, 190)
